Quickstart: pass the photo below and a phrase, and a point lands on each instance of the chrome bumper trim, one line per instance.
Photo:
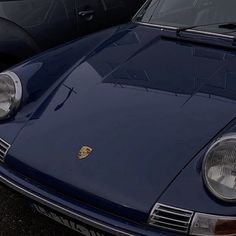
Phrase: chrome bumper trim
(63, 210)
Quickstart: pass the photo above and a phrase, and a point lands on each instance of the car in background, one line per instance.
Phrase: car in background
(131, 130)
(28, 27)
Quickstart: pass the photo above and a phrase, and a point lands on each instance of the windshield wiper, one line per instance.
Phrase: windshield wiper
(228, 26)
(225, 25)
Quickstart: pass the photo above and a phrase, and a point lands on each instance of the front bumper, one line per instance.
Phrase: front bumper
(90, 217)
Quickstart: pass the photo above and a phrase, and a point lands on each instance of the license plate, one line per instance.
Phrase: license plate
(77, 226)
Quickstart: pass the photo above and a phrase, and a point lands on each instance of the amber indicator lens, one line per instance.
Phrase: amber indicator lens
(213, 225)
(225, 227)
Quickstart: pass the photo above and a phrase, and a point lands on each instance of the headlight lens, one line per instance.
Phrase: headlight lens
(219, 168)
(10, 94)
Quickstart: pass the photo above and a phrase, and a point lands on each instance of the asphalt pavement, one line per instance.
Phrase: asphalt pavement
(17, 218)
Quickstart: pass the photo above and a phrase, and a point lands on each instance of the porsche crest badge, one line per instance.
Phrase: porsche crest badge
(84, 152)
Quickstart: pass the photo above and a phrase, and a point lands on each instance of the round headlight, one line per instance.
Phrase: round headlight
(219, 168)
(10, 94)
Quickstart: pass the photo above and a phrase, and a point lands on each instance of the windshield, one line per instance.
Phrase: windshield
(184, 13)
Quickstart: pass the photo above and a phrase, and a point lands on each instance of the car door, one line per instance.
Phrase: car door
(49, 22)
(91, 16)
(58, 22)
(121, 11)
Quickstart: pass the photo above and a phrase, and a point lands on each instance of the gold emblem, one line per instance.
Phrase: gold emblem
(84, 152)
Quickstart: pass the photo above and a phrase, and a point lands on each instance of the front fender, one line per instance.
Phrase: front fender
(42, 75)
(191, 190)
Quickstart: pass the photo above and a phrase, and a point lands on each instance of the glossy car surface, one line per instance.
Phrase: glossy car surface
(30, 26)
(148, 100)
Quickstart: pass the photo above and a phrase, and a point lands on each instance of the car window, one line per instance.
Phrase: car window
(187, 12)
(176, 5)
(26, 13)
(110, 4)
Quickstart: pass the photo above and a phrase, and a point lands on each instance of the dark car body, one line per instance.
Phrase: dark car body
(30, 26)
(148, 102)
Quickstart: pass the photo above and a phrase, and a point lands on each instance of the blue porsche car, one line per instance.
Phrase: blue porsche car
(131, 130)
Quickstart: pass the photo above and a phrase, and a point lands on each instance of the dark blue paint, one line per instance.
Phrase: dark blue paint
(42, 75)
(147, 106)
(84, 209)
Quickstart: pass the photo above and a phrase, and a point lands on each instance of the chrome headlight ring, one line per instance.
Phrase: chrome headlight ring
(10, 94)
(219, 168)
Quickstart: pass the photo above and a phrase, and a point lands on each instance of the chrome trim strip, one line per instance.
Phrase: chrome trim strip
(162, 27)
(225, 137)
(170, 207)
(168, 229)
(6, 146)
(19, 91)
(140, 9)
(172, 223)
(169, 212)
(63, 210)
(166, 218)
(185, 228)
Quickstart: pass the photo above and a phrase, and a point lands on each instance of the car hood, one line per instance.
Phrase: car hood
(146, 106)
